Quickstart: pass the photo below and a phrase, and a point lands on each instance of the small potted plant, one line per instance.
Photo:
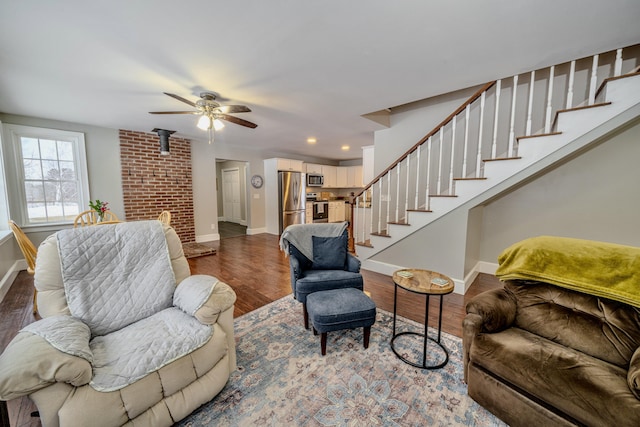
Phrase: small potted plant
(100, 208)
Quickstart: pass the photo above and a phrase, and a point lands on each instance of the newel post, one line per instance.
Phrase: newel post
(351, 238)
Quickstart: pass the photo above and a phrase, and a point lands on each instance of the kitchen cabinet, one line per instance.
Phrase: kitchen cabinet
(289, 165)
(354, 176)
(308, 213)
(341, 176)
(329, 173)
(337, 211)
(313, 168)
(349, 176)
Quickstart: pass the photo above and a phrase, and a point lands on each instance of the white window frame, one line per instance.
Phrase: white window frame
(4, 202)
(15, 171)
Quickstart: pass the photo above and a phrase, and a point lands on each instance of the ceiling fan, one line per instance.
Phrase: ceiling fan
(211, 112)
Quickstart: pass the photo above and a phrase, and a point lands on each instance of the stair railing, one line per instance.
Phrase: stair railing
(486, 127)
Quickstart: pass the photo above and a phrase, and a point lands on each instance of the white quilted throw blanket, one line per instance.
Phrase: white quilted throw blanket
(116, 274)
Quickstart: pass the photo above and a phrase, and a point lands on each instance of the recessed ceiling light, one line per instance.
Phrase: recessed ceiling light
(345, 148)
(311, 140)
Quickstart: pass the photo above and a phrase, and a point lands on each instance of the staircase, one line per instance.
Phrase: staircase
(508, 131)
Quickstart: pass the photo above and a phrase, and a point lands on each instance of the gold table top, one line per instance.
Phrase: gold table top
(420, 281)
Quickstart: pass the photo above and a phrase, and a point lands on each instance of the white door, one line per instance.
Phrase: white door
(231, 195)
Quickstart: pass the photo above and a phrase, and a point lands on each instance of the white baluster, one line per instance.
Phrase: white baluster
(356, 220)
(617, 69)
(547, 122)
(494, 145)
(373, 188)
(439, 184)
(530, 107)
(361, 199)
(415, 204)
(572, 76)
(427, 204)
(380, 205)
(406, 197)
(480, 130)
(453, 150)
(388, 201)
(466, 140)
(398, 191)
(594, 80)
(512, 122)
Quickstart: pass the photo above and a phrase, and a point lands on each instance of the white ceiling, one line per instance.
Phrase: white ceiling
(305, 67)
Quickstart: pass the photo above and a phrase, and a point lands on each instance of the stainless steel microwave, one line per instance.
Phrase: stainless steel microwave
(315, 180)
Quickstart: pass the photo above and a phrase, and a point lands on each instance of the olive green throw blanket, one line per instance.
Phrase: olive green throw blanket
(603, 269)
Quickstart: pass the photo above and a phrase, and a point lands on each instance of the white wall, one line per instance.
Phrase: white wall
(410, 123)
(439, 247)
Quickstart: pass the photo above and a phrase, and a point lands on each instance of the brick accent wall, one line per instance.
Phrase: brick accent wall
(152, 183)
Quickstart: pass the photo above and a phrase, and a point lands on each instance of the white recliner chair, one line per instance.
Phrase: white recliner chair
(128, 336)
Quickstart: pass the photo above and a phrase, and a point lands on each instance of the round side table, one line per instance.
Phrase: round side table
(427, 283)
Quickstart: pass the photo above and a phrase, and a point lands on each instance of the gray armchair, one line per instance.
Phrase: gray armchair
(331, 266)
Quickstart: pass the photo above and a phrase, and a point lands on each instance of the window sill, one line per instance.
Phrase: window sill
(46, 227)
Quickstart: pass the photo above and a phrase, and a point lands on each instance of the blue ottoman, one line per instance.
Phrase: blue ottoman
(338, 309)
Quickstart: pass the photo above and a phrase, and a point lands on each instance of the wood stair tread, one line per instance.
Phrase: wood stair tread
(366, 244)
(419, 210)
(381, 234)
(539, 135)
(443, 195)
(499, 159)
(469, 179)
(398, 223)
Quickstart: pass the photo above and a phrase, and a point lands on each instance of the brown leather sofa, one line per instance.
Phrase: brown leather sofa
(538, 354)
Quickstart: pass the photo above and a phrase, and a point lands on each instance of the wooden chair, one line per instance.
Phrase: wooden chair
(165, 217)
(29, 252)
(91, 217)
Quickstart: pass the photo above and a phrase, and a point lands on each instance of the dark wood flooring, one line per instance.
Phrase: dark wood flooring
(259, 273)
(228, 229)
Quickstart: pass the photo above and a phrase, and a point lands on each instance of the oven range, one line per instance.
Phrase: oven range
(320, 208)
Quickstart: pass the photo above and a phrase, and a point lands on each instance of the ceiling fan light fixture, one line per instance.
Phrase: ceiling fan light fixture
(217, 124)
(204, 122)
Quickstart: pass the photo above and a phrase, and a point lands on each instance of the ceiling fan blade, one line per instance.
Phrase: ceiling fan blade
(173, 112)
(237, 121)
(179, 98)
(230, 109)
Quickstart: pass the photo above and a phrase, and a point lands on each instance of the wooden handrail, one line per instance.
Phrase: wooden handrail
(460, 109)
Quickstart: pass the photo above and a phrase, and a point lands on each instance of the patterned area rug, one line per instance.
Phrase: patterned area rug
(282, 380)
(193, 250)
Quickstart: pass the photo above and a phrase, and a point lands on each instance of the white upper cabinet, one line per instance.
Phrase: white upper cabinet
(354, 176)
(341, 176)
(290, 165)
(329, 173)
(313, 168)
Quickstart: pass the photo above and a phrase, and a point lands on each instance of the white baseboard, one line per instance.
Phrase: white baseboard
(10, 276)
(252, 231)
(486, 267)
(460, 285)
(207, 237)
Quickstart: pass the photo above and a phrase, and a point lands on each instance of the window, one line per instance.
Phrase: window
(49, 175)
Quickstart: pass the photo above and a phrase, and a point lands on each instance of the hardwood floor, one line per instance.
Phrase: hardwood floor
(259, 273)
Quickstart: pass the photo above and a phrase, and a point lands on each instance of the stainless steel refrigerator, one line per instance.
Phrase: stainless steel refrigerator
(292, 198)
